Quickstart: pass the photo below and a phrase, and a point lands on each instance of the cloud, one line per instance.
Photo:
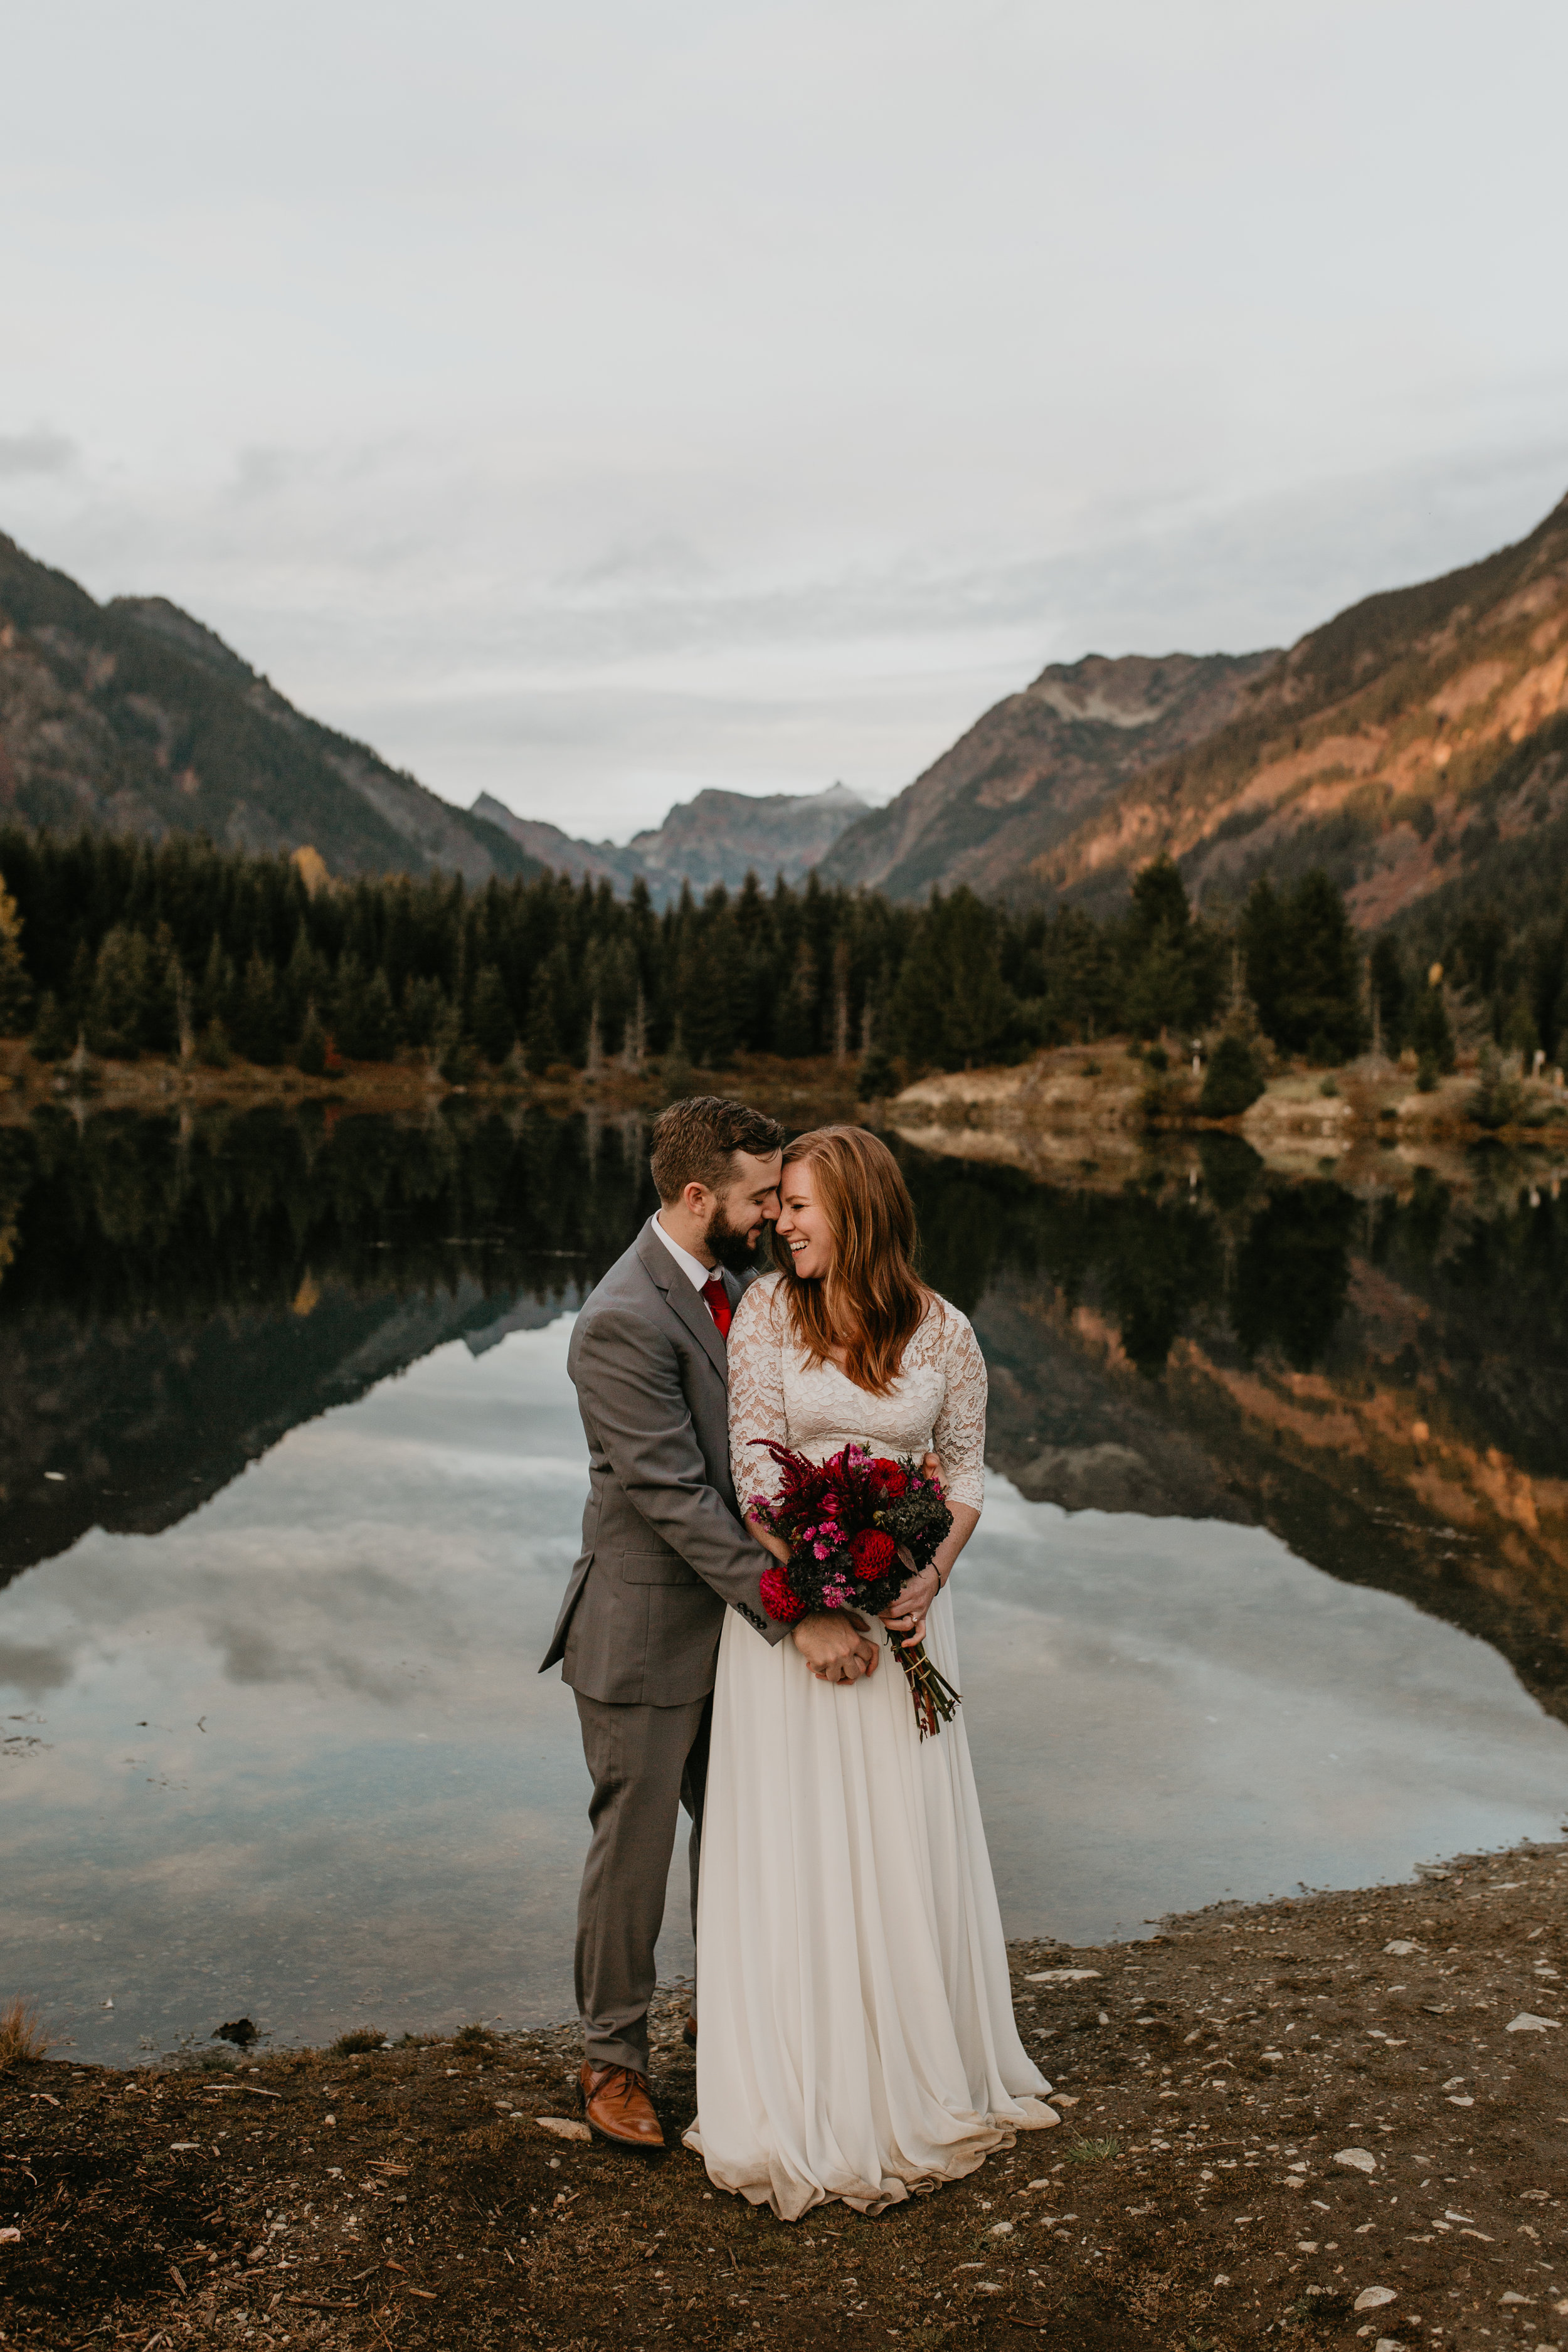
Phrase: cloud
(40, 452)
(561, 406)
(34, 1668)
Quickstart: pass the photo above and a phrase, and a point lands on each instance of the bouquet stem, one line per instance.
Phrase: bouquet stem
(936, 1701)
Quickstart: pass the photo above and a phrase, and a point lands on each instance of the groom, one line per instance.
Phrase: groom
(664, 1552)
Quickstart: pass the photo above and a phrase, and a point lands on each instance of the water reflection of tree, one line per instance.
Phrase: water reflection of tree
(120, 1217)
(1265, 1261)
(1293, 1273)
(1273, 1261)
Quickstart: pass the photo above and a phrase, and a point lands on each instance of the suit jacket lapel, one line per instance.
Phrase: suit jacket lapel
(686, 1302)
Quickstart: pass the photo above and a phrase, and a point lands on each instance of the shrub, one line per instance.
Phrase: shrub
(354, 2044)
(23, 2042)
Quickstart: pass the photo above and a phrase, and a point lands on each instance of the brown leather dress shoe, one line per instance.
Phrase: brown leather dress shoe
(689, 2031)
(618, 2108)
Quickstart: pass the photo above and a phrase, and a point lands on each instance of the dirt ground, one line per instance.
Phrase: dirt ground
(1338, 2119)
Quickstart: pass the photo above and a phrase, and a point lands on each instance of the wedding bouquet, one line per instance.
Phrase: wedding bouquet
(847, 1522)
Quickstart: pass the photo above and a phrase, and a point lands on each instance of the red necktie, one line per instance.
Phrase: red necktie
(718, 1303)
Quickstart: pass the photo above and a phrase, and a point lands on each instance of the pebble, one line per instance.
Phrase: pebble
(1358, 2159)
(1062, 1976)
(1402, 1947)
(1373, 2298)
(563, 2127)
(1525, 2024)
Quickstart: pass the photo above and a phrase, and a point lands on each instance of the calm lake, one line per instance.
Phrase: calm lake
(1271, 1588)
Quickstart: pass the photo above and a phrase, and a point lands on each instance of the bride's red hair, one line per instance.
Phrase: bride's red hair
(871, 1302)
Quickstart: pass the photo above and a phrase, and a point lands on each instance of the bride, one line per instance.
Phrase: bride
(857, 2034)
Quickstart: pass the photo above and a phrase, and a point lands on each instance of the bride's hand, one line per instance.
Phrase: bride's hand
(770, 1542)
(905, 1618)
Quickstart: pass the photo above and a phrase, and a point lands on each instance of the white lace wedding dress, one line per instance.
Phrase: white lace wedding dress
(856, 2036)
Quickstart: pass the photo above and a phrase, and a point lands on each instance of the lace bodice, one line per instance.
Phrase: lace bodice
(938, 1398)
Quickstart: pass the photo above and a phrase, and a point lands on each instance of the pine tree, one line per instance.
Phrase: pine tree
(365, 1026)
(120, 1007)
(494, 1031)
(54, 1037)
(258, 1020)
(213, 1046)
(215, 996)
(1390, 991)
(425, 1008)
(1303, 968)
(634, 1037)
(541, 1035)
(1233, 1079)
(310, 1054)
(15, 988)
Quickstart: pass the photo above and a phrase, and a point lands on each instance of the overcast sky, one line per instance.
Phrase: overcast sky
(592, 401)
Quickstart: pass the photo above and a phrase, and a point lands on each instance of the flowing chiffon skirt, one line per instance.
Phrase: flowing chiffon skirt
(856, 2036)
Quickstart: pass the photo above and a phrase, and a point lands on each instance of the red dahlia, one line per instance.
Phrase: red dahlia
(780, 1602)
(872, 1552)
(887, 1475)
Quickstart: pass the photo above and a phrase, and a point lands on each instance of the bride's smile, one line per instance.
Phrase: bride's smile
(803, 1228)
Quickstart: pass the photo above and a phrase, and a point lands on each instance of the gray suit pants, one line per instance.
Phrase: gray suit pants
(646, 1762)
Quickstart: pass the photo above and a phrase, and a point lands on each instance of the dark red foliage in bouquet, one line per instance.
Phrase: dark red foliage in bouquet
(857, 1526)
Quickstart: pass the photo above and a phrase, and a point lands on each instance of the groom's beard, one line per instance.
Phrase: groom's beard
(736, 1251)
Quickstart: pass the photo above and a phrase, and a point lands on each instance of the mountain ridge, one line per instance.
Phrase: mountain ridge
(1417, 727)
(715, 838)
(135, 717)
(1033, 767)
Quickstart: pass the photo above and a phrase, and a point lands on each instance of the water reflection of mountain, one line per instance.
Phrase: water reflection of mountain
(1379, 1377)
(176, 1298)
(1377, 1373)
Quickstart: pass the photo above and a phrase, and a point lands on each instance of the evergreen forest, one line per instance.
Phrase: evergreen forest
(131, 947)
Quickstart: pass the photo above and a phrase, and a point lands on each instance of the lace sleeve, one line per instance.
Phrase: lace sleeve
(756, 1391)
(959, 1437)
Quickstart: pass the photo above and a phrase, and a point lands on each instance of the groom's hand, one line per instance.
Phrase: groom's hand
(834, 1645)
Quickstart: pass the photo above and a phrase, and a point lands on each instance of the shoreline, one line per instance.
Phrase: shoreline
(1328, 2119)
(158, 1082)
(1030, 1113)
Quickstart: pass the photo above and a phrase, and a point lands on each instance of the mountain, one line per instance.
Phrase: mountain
(1036, 766)
(717, 837)
(133, 716)
(1417, 743)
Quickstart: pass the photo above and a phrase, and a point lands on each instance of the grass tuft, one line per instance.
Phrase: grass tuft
(23, 2042)
(1093, 2151)
(363, 2038)
(473, 2037)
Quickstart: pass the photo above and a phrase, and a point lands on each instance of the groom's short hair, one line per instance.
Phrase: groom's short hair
(695, 1141)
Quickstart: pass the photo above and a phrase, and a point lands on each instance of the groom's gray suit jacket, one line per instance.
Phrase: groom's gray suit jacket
(663, 1545)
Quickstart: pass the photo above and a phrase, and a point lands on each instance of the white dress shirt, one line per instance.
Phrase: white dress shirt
(698, 1275)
